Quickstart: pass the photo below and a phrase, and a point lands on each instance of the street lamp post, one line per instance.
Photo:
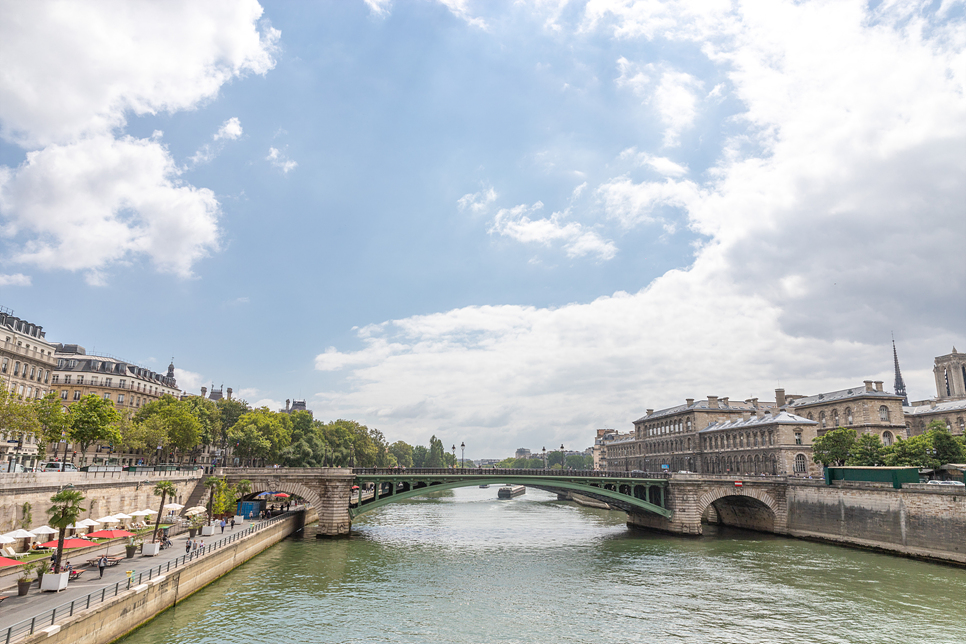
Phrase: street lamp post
(544, 458)
(463, 455)
(563, 458)
(454, 456)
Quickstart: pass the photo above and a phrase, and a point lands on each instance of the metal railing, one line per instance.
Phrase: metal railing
(474, 471)
(49, 618)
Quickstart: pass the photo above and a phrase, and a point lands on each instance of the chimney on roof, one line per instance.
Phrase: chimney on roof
(287, 403)
(754, 402)
(229, 393)
(690, 401)
(868, 385)
(713, 402)
(204, 390)
(932, 404)
(780, 397)
(724, 401)
(649, 412)
(878, 385)
(746, 415)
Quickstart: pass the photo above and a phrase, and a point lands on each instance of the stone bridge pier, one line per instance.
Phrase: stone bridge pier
(325, 489)
(753, 503)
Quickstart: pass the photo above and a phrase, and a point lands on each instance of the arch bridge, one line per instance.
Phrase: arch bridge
(631, 493)
(329, 491)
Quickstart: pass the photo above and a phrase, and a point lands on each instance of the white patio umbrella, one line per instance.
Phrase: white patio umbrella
(121, 515)
(149, 512)
(140, 513)
(196, 509)
(5, 539)
(193, 511)
(173, 506)
(21, 534)
(109, 519)
(44, 529)
(88, 523)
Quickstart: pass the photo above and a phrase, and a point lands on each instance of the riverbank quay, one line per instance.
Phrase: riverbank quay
(98, 611)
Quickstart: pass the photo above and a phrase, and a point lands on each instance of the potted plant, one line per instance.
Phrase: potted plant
(23, 584)
(64, 511)
(132, 547)
(197, 521)
(43, 567)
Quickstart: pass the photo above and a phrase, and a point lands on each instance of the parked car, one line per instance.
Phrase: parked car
(935, 482)
(58, 466)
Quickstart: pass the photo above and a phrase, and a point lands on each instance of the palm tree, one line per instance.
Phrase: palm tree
(64, 511)
(162, 489)
(212, 483)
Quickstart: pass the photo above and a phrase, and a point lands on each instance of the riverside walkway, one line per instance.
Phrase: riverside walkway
(20, 616)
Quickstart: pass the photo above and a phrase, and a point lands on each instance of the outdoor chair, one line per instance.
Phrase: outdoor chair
(10, 552)
(74, 574)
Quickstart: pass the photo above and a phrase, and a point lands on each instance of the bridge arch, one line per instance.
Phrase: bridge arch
(751, 508)
(294, 488)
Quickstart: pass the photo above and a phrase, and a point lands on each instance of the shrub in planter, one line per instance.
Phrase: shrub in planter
(43, 567)
(24, 583)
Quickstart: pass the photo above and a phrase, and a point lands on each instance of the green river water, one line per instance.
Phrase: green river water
(464, 567)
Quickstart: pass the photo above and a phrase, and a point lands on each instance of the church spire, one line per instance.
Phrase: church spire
(900, 386)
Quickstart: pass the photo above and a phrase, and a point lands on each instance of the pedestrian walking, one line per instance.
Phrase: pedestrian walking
(101, 565)
(233, 523)
(187, 546)
(223, 524)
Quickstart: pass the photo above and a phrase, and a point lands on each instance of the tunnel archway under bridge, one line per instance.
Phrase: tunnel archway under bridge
(378, 488)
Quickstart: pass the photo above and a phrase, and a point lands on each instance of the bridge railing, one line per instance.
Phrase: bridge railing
(478, 471)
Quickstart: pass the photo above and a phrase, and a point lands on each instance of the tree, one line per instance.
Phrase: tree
(229, 412)
(52, 419)
(209, 419)
(93, 419)
(17, 418)
(420, 456)
(436, 453)
(163, 489)
(261, 434)
(249, 443)
(184, 430)
(912, 452)
(867, 451)
(212, 483)
(948, 449)
(65, 511)
(834, 447)
(403, 452)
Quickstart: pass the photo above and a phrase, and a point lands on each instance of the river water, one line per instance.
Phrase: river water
(464, 567)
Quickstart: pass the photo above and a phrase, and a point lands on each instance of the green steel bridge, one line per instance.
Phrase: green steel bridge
(638, 492)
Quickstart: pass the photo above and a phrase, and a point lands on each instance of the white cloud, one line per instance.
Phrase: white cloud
(230, 129)
(477, 202)
(247, 393)
(677, 104)
(460, 9)
(280, 160)
(189, 380)
(853, 126)
(379, 8)
(17, 279)
(578, 240)
(661, 165)
(272, 404)
(71, 75)
(86, 205)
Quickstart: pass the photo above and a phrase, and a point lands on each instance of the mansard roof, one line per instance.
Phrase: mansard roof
(704, 405)
(781, 418)
(941, 407)
(105, 365)
(842, 394)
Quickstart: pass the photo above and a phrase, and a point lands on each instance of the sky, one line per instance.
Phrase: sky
(507, 224)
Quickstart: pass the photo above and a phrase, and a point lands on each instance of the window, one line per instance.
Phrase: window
(121, 384)
(887, 438)
(107, 396)
(884, 414)
(80, 380)
(63, 395)
(120, 399)
(835, 418)
(821, 419)
(46, 376)
(16, 368)
(94, 380)
(848, 415)
(107, 382)
(798, 438)
(6, 361)
(67, 379)
(801, 465)
(33, 370)
(76, 395)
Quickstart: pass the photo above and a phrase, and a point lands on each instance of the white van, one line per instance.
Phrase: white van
(58, 466)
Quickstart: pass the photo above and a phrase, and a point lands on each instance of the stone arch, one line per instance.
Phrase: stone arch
(749, 508)
(260, 485)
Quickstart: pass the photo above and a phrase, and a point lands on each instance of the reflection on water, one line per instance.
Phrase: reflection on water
(460, 566)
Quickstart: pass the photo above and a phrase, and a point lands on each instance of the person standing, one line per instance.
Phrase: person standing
(223, 524)
(101, 565)
(233, 523)
(187, 546)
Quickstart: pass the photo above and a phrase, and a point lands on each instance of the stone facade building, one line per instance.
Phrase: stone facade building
(26, 358)
(950, 373)
(773, 442)
(949, 405)
(127, 385)
(866, 409)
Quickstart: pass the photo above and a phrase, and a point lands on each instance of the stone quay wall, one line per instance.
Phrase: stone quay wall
(923, 521)
(129, 610)
(105, 492)
(919, 520)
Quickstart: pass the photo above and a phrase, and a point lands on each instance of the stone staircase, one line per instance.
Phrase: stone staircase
(198, 496)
